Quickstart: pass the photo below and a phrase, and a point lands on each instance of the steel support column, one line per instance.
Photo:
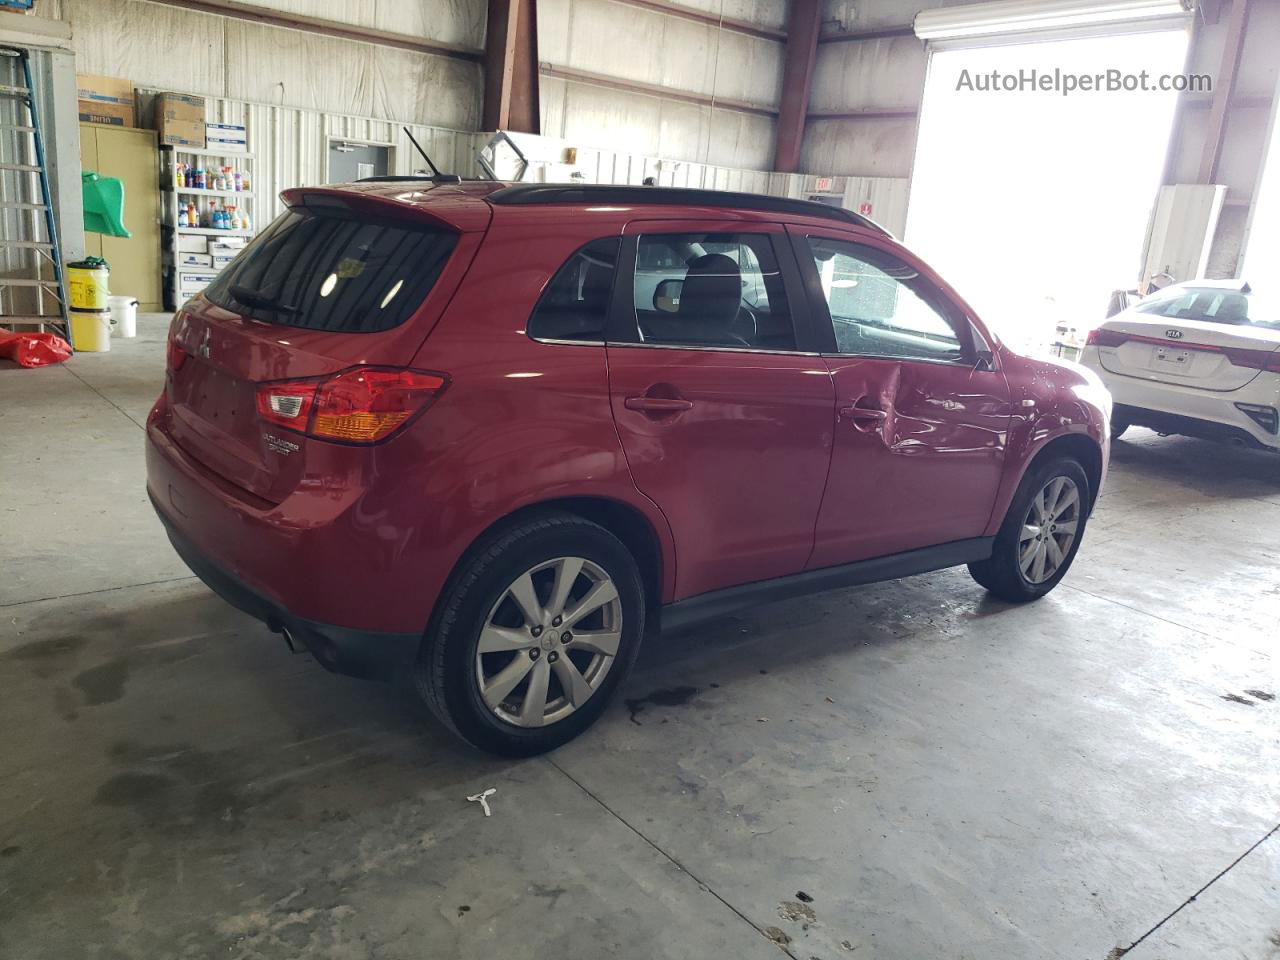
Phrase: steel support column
(511, 67)
(803, 25)
(1223, 90)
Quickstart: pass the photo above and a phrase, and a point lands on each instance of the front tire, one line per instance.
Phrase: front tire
(1040, 535)
(1118, 426)
(537, 629)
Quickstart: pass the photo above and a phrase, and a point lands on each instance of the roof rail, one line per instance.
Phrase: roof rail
(538, 193)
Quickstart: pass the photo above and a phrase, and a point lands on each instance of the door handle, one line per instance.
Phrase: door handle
(657, 404)
(863, 414)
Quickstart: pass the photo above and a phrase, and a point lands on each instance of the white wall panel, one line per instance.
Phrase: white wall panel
(765, 13)
(150, 44)
(450, 21)
(659, 49)
(863, 147)
(883, 74)
(166, 48)
(325, 73)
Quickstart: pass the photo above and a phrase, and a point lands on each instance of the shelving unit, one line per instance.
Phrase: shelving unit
(182, 281)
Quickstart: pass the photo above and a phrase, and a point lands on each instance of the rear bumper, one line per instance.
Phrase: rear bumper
(1163, 422)
(1172, 408)
(388, 657)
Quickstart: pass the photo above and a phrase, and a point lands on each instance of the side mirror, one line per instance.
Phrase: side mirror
(666, 296)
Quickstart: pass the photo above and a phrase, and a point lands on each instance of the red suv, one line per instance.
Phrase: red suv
(482, 438)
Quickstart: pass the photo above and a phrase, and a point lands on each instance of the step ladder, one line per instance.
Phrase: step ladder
(33, 291)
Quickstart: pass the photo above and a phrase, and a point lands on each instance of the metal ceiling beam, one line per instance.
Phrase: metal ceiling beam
(326, 28)
(803, 26)
(854, 36)
(1223, 91)
(710, 19)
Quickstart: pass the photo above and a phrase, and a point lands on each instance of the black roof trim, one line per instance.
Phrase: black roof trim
(392, 178)
(538, 193)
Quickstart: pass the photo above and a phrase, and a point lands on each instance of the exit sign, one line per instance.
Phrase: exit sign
(824, 183)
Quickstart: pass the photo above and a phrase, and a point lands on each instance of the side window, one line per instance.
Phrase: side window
(711, 290)
(881, 306)
(576, 301)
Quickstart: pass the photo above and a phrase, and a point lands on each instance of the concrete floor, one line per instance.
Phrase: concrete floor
(940, 775)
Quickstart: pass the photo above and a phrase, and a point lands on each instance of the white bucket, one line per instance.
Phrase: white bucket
(124, 315)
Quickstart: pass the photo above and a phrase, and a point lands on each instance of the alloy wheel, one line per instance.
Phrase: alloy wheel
(1049, 530)
(549, 642)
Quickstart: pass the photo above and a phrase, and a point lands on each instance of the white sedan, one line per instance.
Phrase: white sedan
(1200, 358)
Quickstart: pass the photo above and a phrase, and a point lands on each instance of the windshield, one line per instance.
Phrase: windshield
(1212, 305)
(331, 270)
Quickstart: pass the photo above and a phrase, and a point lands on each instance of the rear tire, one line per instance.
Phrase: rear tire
(507, 589)
(1118, 426)
(1032, 552)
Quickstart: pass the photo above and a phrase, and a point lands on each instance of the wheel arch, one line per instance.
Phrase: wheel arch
(625, 521)
(1079, 447)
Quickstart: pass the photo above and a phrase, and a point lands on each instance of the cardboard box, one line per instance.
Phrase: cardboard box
(226, 137)
(106, 100)
(194, 259)
(192, 243)
(195, 281)
(226, 248)
(222, 260)
(179, 119)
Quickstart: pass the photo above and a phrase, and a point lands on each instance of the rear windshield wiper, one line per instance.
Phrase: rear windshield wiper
(256, 298)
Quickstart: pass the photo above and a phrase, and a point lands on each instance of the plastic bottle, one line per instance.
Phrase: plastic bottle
(182, 216)
(239, 181)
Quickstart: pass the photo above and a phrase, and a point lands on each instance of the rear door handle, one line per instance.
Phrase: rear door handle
(657, 404)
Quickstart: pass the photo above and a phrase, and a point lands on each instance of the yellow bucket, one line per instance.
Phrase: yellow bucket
(89, 284)
(91, 330)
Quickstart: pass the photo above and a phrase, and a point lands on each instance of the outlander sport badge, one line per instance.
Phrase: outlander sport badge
(1173, 334)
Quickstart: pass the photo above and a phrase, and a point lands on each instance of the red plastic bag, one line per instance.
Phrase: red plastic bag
(33, 349)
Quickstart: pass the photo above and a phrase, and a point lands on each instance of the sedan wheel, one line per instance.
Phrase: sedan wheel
(549, 642)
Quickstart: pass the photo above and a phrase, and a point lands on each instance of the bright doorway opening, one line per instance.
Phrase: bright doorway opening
(1262, 250)
(1035, 205)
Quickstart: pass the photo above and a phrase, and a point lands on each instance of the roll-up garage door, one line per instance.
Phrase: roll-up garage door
(1010, 18)
(1039, 155)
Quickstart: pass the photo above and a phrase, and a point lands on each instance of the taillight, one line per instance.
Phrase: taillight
(1267, 360)
(175, 355)
(360, 405)
(1105, 338)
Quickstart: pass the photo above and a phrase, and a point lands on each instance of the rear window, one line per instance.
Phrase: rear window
(1238, 308)
(335, 271)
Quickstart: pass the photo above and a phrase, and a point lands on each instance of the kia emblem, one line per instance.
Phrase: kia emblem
(1173, 334)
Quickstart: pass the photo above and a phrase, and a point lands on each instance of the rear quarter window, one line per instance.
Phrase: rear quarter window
(335, 271)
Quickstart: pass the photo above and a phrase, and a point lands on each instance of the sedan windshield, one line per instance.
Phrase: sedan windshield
(1213, 305)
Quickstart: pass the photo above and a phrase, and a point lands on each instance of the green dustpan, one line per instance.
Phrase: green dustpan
(103, 199)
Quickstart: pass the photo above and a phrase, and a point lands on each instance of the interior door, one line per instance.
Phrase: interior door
(131, 156)
(723, 408)
(922, 415)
